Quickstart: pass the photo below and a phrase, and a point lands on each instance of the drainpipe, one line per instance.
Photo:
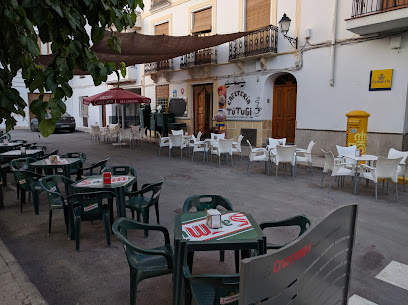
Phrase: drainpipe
(333, 44)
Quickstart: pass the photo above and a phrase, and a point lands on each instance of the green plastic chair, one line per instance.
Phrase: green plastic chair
(143, 263)
(88, 207)
(28, 182)
(210, 289)
(95, 169)
(75, 167)
(21, 163)
(123, 170)
(141, 204)
(57, 196)
(301, 221)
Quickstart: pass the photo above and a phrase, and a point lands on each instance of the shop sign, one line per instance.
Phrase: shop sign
(242, 106)
(380, 80)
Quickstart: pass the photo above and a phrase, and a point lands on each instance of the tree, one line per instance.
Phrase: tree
(63, 24)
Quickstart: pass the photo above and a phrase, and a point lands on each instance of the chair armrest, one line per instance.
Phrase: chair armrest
(367, 166)
(139, 192)
(143, 226)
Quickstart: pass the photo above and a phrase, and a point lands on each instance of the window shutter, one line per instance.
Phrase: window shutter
(162, 29)
(258, 14)
(162, 97)
(202, 20)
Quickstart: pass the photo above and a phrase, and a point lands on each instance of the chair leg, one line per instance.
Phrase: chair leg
(321, 183)
(376, 191)
(77, 224)
(396, 189)
(159, 150)
(145, 215)
(36, 200)
(236, 254)
(403, 181)
(219, 160)
(330, 183)
(232, 163)
(192, 158)
(156, 207)
(107, 227)
(249, 165)
(22, 200)
(49, 221)
(169, 153)
(133, 287)
(276, 171)
(222, 255)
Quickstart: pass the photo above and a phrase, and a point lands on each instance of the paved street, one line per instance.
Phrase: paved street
(100, 275)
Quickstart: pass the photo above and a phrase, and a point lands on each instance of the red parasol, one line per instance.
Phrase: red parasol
(115, 96)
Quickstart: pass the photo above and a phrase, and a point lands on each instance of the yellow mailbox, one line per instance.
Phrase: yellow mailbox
(357, 122)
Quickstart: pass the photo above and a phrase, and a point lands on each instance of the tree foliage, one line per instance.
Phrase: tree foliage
(70, 27)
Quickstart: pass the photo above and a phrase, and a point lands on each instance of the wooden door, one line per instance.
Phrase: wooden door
(103, 115)
(202, 108)
(34, 96)
(284, 108)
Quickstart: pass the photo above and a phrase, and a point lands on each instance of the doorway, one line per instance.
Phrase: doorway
(284, 108)
(202, 106)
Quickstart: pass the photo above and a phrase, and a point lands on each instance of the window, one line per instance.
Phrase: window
(202, 21)
(258, 14)
(83, 109)
(162, 29)
(162, 97)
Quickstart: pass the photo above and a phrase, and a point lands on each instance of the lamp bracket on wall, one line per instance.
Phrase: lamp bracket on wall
(241, 82)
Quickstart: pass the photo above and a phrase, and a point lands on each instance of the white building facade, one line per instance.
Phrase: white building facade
(269, 87)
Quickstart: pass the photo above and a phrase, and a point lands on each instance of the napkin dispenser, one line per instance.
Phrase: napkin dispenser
(213, 218)
(54, 158)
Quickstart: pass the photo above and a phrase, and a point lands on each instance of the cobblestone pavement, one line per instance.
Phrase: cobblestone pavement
(100, 275)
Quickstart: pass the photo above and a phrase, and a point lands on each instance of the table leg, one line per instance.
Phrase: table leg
(178, 283)
(355, 179)
(120, 202)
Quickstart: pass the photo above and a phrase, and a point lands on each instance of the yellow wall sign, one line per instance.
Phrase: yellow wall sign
(380, 80)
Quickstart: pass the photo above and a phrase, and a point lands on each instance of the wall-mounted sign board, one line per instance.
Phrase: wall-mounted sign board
(380, 80)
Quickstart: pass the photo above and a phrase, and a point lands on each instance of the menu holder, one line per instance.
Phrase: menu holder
(213, 218)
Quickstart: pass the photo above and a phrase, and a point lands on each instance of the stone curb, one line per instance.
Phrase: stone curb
(16, 287)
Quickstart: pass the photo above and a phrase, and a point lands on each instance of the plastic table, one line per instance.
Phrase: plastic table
(118, 187)
(64, 164)
(239, 231)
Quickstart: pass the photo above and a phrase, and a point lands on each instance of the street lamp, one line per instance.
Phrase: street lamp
(284, 25)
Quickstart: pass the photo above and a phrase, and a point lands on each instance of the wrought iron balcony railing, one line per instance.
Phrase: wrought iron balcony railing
(164, 65)
(364, 7)
(200, 57)
(258, 42)
(158, 3)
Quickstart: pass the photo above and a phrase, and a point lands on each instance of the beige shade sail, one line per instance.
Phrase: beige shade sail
(139, 48)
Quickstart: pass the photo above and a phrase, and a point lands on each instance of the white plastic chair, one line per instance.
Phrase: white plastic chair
(163, 141)
(335, 166)
(258, 155)
(224, 147)
(199, 134)
(236, 146)
(114, 131)
(307, 155)
(192, 140)
(96, 133)
(216, 136)
(198, 146)
(176, 141)
(273, 142)
(344, 151)
(177, 132)
(125, 135)
(392, 154)
(285, 154)
(385, 169)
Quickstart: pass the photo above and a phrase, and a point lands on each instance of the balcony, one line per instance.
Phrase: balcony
(158, 4)
(161, 66)
(199, 58)
(378, 16)
(260, 43)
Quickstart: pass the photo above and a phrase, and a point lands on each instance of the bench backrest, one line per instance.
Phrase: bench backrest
(315, 269)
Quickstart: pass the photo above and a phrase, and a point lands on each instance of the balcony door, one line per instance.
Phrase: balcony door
(284, 108)
(258, 15)
(202, 106)
(390, 4)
